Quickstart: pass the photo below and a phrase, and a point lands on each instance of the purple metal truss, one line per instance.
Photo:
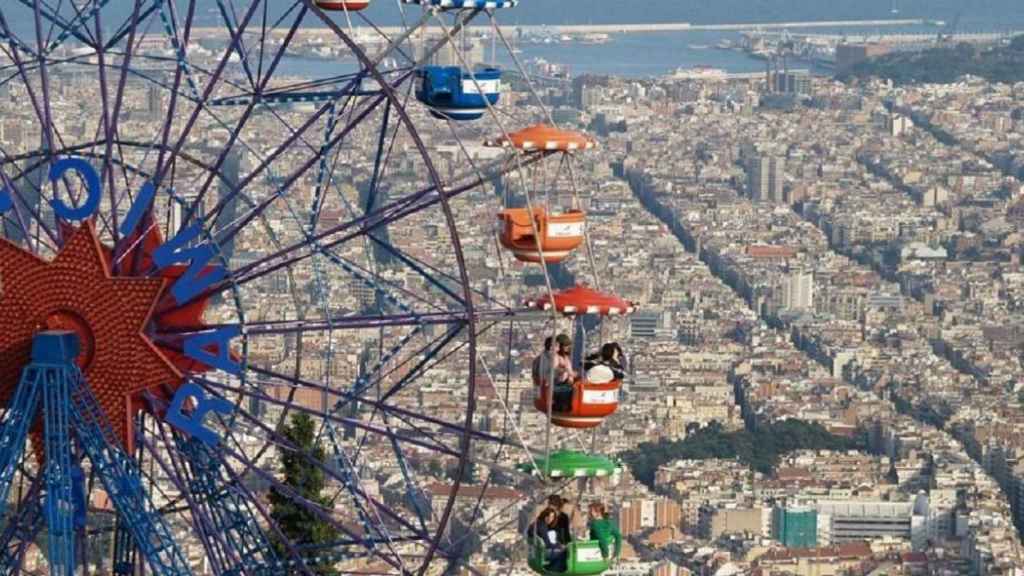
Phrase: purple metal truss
(170, 152)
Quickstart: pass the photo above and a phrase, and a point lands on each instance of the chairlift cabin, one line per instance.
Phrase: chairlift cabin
(543, 137)
(342, 5)
(592, 400)
(556, 236)
(450, 93)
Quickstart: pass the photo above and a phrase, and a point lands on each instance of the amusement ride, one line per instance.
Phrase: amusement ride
(186, 199)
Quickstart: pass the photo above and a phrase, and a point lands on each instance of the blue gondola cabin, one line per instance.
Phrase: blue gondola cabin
(450, 93)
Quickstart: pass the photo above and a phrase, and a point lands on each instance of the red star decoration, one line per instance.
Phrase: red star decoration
(111, 314)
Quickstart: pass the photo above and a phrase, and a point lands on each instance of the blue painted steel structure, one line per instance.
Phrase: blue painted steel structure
(231, 514)
(71, 415)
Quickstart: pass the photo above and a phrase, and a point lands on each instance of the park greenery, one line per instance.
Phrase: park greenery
(760, 449)
(299, 523)
(946, 64)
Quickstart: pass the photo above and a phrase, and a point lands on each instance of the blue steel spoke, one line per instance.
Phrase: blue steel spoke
(71, 28)
(234, 134)
(211, 84)
(10, 39)
(320, 194)
(391, 212)
(297, 560)
(215, 388)
(418, 266)
(263, 40)
(42, 111)
(412, 489)
(349, 483)
(355, 321)
(21, 205)
(170, 29)
(108, 119)
(126, 28)
(417, 432)
(172, 107)
(229, 16)
(322, 177)
(283, 443)
(295, 135)
(47, 117)
(263, 205)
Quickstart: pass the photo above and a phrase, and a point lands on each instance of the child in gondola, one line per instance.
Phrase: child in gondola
(604, 530)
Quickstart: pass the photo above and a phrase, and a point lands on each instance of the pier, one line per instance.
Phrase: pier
(364, 31)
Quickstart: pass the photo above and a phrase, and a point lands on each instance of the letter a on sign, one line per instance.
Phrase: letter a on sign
(192, 424)
(212, 348)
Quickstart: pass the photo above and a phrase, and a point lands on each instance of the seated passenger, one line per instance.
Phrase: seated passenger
(557, 503)
(607, 365)
(604, 530)
(556, 365)
(536, 368)
(545, 529)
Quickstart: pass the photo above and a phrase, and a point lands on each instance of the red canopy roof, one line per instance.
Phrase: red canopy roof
(583, 300)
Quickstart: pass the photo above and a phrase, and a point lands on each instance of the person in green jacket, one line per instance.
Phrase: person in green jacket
(604, 530)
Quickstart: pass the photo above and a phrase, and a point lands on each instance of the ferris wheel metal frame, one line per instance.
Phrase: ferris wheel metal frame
(228, 519)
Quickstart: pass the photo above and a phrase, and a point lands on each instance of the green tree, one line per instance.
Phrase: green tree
(760, 451)
(469, 475)
(435, 469)
(463, 541)
(299, 525)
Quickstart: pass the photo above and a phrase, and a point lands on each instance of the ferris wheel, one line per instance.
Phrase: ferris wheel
(237, 318)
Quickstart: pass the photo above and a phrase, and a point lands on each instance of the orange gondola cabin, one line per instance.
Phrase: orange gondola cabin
(550, 238)
(592, 400)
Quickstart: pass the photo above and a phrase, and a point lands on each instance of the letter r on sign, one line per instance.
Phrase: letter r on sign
(192, 424)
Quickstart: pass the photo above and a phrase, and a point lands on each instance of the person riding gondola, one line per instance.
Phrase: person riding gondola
(604, 530)
(556, 360)
(606, 365)
(557, 503)
(545, 529)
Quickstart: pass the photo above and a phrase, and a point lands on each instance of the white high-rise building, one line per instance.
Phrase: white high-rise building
(798, 291)
(766, 178)
(897, 124)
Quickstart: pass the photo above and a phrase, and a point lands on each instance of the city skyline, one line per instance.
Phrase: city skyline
(278, 311)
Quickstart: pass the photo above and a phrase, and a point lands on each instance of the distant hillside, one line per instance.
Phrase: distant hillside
(946, 64)
(760, 450)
